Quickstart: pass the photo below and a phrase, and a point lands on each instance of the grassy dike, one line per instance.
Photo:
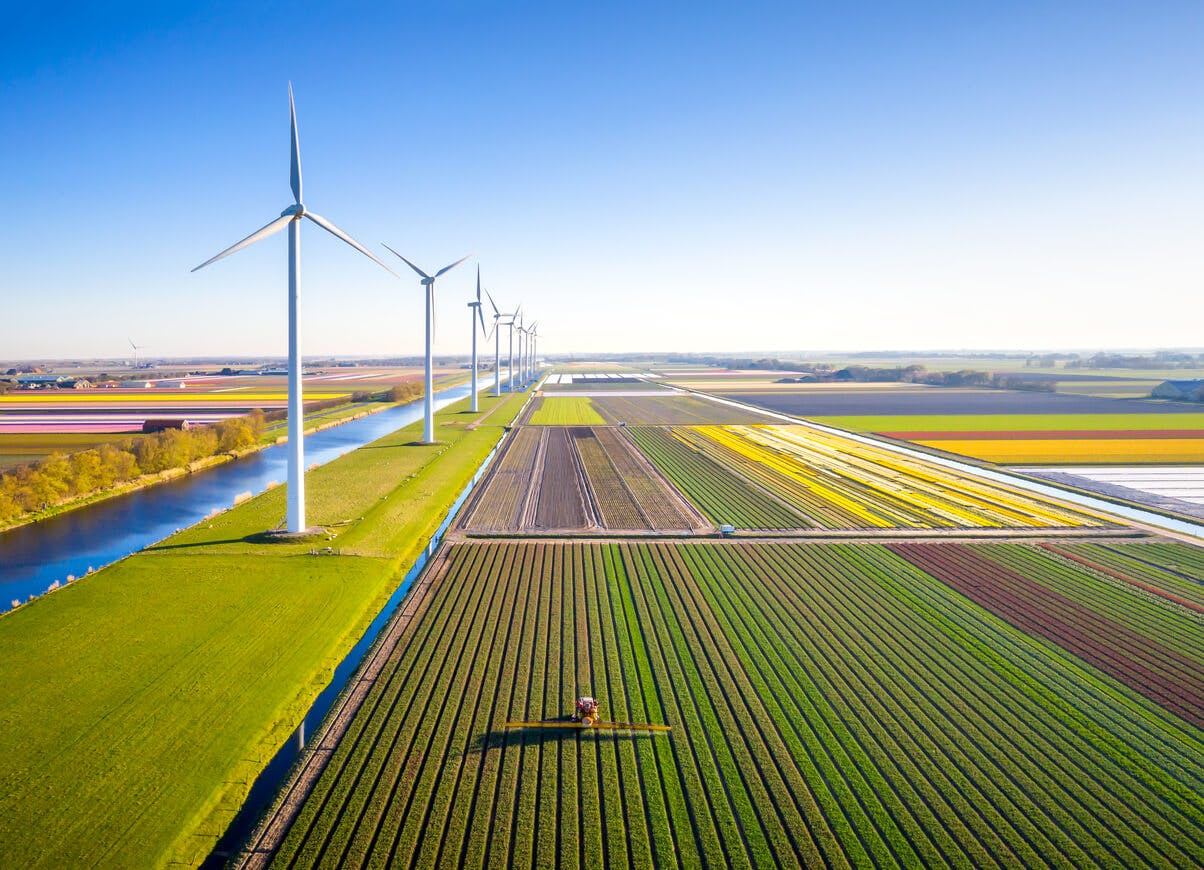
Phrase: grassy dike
(140, 703)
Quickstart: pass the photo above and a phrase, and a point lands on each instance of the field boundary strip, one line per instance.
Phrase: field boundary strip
(1126, 513)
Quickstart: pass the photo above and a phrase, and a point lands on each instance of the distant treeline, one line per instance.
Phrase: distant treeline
(1160, 360)
(39, 485)
(42, 484)
(917, 374)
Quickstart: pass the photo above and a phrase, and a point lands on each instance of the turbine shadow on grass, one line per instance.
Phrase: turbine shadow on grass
(254, 538)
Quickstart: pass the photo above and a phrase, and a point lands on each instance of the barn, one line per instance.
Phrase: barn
(1183, 391)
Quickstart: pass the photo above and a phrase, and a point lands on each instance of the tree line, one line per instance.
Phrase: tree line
(39, 485)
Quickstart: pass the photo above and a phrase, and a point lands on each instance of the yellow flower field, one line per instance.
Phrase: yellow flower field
(1126, 451)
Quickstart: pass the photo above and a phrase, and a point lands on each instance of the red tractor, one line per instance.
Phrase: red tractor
(586, 711)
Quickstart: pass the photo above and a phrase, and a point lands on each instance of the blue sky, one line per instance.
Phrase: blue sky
(694, 176)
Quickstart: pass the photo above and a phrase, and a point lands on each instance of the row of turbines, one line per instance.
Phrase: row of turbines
(291, 217)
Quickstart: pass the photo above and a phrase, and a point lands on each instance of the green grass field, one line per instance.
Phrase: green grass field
(566, 411)
(1014, 422)
(141, 701)
(1108, 389)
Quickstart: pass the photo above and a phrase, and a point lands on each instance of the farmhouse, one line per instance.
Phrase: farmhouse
(1184, 391)
(34, 382)
(160, 424)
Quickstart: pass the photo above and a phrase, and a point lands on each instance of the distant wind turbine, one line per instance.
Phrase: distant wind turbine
(291, 217)
(136, 349)
(477, 315)
(521, 351)
(497, 345)
(532, 335)
(517, 315)
(428, 281)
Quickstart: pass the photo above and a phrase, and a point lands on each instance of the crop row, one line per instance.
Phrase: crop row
(830, 705)
(1172, 570)
(670, 410)
(1006, 586)
(842, 483)
(720, 493)
(556, 478)
(503, 500)
(1063, 451)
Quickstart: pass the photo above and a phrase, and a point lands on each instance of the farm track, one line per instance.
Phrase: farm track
(832, 704)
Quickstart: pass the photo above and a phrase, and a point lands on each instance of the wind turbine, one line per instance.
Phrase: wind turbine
(477, 315)
(497, 345)
(532, 335)
(517, 315)
(291, 217)
(428, 281)
(136, 349)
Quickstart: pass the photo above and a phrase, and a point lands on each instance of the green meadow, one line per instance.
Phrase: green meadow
(141, 702)
(566, 411)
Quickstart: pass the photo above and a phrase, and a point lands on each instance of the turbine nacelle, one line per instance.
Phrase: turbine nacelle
(296, 211)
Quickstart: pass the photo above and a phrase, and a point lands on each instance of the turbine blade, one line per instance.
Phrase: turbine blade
(339, 234)
(496, 313)
(274, 227)
(421, 274)
(453, 265)
(481, 317)
(295, 174)
(478, 285)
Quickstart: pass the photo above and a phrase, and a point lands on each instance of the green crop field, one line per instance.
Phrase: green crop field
(141, 701)
(565, 411)
(830, 705)
(19, 449)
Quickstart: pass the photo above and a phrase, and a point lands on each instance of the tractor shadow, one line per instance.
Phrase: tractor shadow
(538, 736)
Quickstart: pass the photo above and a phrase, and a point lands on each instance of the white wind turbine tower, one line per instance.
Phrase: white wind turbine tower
(428, 281)
(136, 349)
(291, 217)
(476, 315)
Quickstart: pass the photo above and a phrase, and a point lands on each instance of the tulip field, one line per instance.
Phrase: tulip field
(832, 482)
(830, 705)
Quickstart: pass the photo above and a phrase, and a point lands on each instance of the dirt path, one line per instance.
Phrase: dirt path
(863, 536)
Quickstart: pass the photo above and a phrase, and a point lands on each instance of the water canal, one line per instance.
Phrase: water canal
(34, 556)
